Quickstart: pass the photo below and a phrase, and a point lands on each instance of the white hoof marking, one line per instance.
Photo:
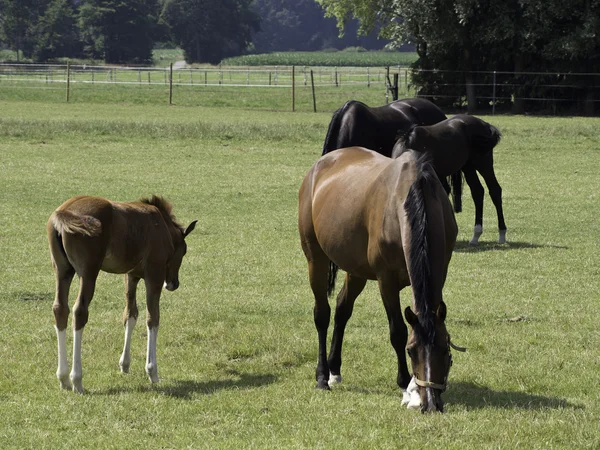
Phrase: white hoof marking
(477, 232)
(502, 237)
(335, 379)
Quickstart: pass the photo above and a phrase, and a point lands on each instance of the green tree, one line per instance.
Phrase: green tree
(119, 31)
(19, 18)
(300, 25)
(57, 34)
(468, 35)
(209, 30)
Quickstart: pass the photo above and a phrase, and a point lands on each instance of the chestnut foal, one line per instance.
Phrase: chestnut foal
(140, 239)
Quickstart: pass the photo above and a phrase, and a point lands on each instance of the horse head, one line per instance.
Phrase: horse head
(430, 356)
(179, 251)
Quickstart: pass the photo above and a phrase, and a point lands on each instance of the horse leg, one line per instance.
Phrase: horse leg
(153, 290)
(64, 273)
(487, 172)
(477, 193)
(87, 286)
(353, 286)
(130, 316)
(318, 270)
(390, 294)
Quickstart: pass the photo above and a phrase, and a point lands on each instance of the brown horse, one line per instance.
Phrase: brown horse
(464, 143)
(387, 220)
(140, 239)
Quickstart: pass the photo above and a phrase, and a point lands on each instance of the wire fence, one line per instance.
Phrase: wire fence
(289, 87)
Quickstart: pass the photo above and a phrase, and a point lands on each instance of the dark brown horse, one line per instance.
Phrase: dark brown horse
(356, 124)
(461, 143)
(140, 239)
(387, 220)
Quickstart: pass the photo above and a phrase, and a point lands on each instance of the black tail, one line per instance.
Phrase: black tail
(420, 264)
(333, 270)
(334, 129)
(486, 137)
(457, 180)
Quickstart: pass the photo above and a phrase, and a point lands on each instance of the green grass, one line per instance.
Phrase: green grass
(342, 58)
(237, 344)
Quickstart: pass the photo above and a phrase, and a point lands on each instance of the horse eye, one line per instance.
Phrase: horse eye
(408, 351)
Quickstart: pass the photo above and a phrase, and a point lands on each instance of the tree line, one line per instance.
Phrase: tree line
(126, 31)
(456, 38)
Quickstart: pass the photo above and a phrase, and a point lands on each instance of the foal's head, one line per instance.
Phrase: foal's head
(429, 350)
(174, 262)
(178, 235)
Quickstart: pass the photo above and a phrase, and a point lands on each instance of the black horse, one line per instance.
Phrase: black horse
(461, 143)
(378, 128)
(356, 124)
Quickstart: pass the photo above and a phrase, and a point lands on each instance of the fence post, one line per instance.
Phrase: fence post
(494, 96)
(368, 78)
(293, 88)
(312, 83)
(68, 79)
(171, 84)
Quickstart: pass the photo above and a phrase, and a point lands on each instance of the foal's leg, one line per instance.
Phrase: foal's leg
(64, 273)
(317, 273)
(87, 285)
(353, 286)
(153, 290)
(130, 316)
(486, 169)
(390, 293)
(477, 192)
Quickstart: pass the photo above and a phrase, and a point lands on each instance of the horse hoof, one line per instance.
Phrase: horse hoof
(335, 379)
(322, 385)
(78, 387)
(477, 232)
(502, 237)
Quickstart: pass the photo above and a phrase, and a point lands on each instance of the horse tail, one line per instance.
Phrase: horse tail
(419, 253)
(456, 179)
(487, 139)
(333, 130)
(331, 276)
(403, 140)
(68, 222)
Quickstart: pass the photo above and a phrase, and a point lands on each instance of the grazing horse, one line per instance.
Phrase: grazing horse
(392, 223)
(356, 124)
(140, 239)
(464, 143)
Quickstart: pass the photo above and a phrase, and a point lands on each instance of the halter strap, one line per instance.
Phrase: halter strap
(430, 384)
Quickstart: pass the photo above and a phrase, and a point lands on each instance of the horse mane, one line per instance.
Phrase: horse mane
(420, 263)
(165, 208)
(334, 127)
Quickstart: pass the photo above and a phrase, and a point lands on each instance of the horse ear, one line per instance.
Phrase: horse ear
(441, 312)
(190, 228)
(411, 317)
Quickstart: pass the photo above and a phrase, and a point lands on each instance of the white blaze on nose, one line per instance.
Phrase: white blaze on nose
(429, 391)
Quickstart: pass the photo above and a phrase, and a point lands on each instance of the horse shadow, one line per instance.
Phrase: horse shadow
(474, 396)
(185, 389)
(465, 247)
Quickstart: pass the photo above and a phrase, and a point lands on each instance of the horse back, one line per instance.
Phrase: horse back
(94, 233)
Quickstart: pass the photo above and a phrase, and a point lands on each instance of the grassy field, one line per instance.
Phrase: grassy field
(237, 345)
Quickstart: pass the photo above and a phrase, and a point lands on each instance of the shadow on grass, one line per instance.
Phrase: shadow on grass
(33, 296)
(465, 247)
(474, 396)
(185, 389)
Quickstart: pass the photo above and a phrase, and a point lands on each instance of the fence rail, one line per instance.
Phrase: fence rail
(492, 89)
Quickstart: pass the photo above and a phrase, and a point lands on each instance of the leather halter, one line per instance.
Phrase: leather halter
(431, 384)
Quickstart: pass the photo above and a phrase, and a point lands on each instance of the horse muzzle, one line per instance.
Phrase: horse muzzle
(171, 285)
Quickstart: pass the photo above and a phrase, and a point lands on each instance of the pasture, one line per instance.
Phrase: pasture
(237, 345)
